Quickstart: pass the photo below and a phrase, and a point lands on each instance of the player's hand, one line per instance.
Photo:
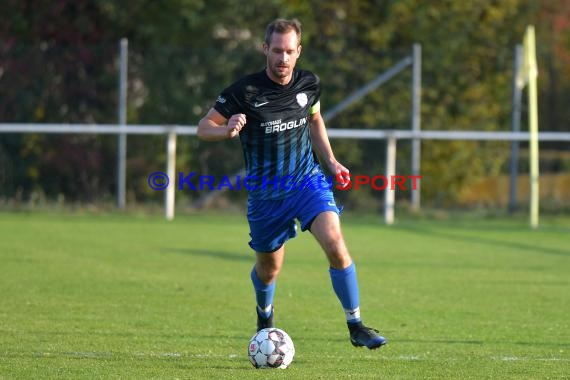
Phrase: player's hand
(341, 173)
(235, 124)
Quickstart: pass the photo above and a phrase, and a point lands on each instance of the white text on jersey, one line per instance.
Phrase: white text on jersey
(277, 126)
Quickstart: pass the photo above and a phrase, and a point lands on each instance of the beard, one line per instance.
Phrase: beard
(280, 71)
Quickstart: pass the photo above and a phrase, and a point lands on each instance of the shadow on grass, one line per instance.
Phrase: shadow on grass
(482, 342)
(456, 235)
(213, 254)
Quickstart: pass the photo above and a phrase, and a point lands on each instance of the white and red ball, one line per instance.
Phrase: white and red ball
(271, 348)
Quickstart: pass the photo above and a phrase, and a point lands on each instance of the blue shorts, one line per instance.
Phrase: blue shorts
(272, 222)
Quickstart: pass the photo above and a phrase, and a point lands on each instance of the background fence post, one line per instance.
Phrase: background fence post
(122, 138)
(171, 172)
(516, 127)
(416, 121)
(389, 192)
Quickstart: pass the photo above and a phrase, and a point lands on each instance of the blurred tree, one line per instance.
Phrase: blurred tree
(554, 77)
(57, 66)
(467, 64)
(182, 53)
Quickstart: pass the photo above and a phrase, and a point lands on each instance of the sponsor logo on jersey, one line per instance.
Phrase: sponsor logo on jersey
(221, 99)
(278, 126)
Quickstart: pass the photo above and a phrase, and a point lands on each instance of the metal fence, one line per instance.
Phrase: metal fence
(392, 136)
(110, 108)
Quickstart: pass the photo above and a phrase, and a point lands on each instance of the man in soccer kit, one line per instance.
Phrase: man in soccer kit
(276, 114)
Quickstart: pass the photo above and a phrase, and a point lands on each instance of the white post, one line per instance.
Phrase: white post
(530, 52)
(171, 172)
(122, 115)
(518, 85)
(390, 192)
(416, 121)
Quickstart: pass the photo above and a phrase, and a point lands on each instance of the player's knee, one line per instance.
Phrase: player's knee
(340, 262)
(338, 256)
(335, 246)
(267, 272)
(268, 275)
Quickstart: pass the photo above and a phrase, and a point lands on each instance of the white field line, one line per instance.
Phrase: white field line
(518, 359)
(206, 355)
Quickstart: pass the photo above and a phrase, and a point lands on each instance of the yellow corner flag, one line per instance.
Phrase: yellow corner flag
(530, 71)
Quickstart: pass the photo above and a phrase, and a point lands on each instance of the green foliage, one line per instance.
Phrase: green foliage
(182, 53)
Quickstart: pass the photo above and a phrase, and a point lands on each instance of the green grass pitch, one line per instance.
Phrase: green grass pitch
(133, 297)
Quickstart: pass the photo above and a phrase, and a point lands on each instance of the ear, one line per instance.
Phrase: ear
(265, 48)
(299, 48)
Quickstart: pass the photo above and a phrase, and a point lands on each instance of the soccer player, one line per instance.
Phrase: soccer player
(275, 113)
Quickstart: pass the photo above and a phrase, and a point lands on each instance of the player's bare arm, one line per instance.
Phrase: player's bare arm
(214, 126)
(322, 146)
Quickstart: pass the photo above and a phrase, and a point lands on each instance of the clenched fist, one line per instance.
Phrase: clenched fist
(235, 124)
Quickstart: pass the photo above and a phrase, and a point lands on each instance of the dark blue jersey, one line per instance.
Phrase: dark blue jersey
(275, 140)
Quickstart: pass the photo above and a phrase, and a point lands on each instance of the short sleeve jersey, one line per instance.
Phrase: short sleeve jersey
(275, 140)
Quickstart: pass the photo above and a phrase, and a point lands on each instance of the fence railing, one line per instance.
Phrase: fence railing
(392, 136)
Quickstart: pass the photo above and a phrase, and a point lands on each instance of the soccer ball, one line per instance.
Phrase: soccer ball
(271, 348)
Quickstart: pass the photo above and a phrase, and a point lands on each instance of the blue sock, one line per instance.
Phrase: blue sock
(345, 285)
(263, 294)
